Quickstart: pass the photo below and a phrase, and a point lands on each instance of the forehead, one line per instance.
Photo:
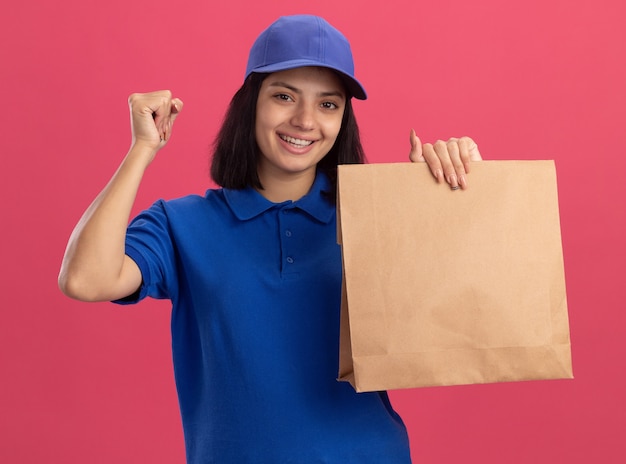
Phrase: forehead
(314, 78)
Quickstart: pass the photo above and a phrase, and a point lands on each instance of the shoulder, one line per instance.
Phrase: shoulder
(195, 199)
(183, 210)
(189, 203)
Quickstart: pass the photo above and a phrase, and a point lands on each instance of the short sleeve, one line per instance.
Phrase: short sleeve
(149, 244)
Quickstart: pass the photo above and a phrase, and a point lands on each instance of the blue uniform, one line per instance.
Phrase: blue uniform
(255, 288)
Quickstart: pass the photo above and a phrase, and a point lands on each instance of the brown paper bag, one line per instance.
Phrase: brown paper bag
(447, 287)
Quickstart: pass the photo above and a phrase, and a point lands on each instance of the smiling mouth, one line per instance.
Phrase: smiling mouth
(300, 143)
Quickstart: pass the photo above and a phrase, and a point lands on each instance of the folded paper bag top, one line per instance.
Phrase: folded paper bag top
(447, 287)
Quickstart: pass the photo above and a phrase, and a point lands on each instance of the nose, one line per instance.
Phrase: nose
(303, 117)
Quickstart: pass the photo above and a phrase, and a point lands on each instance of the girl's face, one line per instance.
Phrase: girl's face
(298, 118)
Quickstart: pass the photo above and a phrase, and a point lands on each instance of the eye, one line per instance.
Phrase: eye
(283, 97)
(329, 105)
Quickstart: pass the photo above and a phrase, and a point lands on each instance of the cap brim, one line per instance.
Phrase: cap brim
(354, 86)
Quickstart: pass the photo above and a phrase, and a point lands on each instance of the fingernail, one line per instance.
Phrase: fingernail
(438, 175)
(462, 181)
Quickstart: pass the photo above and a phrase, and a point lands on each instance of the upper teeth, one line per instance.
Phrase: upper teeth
(293, 141)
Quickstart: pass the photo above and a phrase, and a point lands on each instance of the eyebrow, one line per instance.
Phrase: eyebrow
(298, 91)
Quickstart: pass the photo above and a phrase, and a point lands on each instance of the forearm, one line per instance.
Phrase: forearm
(94, 267)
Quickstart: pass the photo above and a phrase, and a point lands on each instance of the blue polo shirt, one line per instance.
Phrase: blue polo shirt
(256, 289)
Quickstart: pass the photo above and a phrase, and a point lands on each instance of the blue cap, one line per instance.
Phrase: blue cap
(304, 40)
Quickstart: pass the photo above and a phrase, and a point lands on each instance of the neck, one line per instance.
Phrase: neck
(278, 189)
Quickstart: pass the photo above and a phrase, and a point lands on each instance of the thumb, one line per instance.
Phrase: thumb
(176, 108)
(416, 154)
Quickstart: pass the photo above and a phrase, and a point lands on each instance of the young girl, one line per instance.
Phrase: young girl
(253, 269)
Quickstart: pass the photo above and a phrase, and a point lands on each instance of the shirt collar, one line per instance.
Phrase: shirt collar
(248, 203)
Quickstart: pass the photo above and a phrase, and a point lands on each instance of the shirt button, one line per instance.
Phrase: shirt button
(288, 233)
(289, 259)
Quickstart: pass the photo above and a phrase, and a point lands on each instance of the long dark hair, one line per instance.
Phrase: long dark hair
(235, 151)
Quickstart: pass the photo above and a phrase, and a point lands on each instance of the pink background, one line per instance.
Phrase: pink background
(532, 79)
